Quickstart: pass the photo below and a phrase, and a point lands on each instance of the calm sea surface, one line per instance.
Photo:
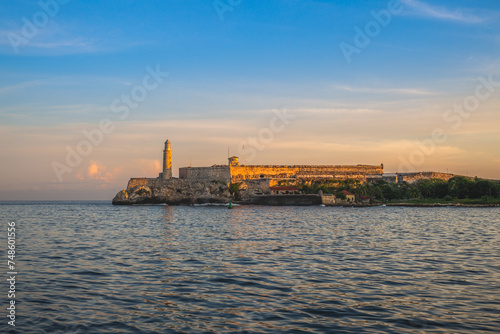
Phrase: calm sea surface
(90, 267)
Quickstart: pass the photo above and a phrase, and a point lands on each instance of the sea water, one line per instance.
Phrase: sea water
(90, 267)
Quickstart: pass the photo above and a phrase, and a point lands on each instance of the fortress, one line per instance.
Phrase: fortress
(234, 172)
(212, 184)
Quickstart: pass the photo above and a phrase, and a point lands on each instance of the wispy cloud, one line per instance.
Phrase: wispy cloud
(21, 86)
(49, 42)
(397, 91)
(61, 39)
(78, 44)
(330, 111)
(424, 9)
(33, 112)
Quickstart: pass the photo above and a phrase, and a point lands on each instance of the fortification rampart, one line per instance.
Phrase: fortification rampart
(138, 181)
(415, 177)
(219, 173)
(148, 182)
(239, 173)
(360, 172)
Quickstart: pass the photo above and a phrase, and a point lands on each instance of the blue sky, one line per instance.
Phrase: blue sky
(226, 78)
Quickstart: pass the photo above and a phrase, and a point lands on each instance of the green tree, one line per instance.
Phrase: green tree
(459, 187)
(340, 194)
(425, 188)
(480, 188)
(390, 192)
(440, 188)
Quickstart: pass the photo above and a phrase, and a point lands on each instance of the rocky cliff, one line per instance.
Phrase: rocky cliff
(173, 191)
(181, 191)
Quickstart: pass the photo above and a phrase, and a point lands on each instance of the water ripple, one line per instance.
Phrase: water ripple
(94, 268)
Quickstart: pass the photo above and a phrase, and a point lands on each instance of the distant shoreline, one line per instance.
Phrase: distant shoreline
(420, 205)
(445, 205)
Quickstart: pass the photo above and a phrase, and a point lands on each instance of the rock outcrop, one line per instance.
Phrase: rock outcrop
(173, 191)
(181, 191)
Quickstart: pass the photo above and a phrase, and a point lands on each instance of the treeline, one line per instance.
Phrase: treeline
(456, 188)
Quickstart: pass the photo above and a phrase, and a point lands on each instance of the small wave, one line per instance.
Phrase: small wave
(215, 204)
(89, 272)
(157, 204)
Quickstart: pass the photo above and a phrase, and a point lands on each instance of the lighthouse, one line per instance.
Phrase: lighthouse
(167, 161)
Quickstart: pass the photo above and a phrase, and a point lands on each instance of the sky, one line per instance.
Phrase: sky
(90, 90)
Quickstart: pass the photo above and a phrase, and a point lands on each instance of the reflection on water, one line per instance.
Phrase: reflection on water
(95, 268)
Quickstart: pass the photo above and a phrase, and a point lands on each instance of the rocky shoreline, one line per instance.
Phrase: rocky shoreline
(173, 192)
(189, 192)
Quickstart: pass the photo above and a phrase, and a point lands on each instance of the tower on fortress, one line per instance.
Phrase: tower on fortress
(167, 162)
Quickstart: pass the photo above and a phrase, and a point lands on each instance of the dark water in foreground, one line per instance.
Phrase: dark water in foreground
(95, 268)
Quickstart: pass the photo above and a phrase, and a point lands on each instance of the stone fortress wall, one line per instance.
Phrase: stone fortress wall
(304, 172)
(270, 173)
(415, 177)
(234, 172)
(138, 181)
(148, 182)
(240, 173)
(217, 172)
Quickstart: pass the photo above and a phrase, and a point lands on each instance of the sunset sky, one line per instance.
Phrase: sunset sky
(413, 84)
